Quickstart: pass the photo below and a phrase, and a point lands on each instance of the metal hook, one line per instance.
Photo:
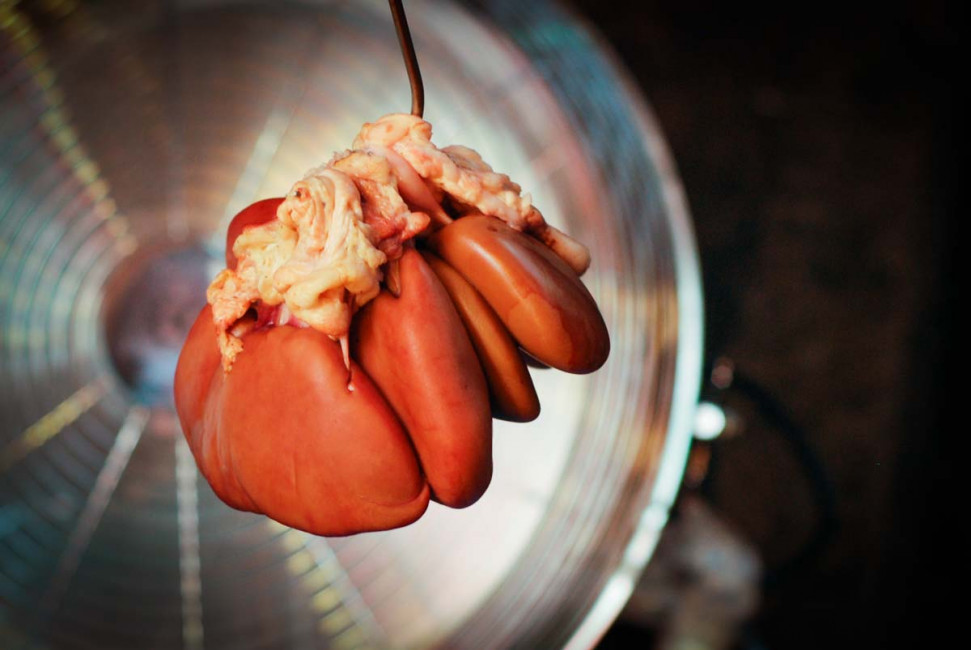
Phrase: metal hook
(411, 59)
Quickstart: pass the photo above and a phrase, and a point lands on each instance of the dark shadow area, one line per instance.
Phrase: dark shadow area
(817, 146)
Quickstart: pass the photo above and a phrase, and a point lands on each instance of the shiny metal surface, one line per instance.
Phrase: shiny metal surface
(128, 140)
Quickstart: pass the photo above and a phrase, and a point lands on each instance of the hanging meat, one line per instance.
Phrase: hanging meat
(367, 328)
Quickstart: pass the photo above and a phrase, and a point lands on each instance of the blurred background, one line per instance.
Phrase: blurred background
(817, 144)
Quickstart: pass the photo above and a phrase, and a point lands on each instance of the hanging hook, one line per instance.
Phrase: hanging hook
(411, 59)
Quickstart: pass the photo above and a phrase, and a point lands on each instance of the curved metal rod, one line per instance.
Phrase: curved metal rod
(411, 59)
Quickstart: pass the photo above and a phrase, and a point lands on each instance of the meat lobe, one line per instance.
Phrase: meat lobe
(282, 435)
(511, 389)
(415, 349)
(539, 298)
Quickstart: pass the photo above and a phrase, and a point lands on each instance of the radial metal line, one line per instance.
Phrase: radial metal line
(265, 149)
(104, 487)
(55, 122)
(344, 614)
(190, 583)
(51, 424)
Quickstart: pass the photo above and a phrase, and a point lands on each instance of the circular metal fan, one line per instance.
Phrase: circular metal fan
(128, 140)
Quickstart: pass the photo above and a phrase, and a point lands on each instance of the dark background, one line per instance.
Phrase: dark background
(817, 147)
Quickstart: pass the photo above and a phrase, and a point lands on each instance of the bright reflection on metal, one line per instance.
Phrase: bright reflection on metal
(55, 421)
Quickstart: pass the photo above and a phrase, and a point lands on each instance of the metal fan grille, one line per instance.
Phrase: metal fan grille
(128, 141)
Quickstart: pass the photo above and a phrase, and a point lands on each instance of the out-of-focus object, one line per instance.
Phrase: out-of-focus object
(711, 421)
(701, 586)
(128, 140)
